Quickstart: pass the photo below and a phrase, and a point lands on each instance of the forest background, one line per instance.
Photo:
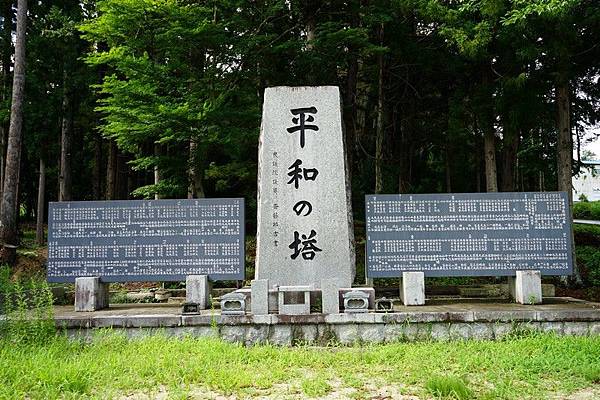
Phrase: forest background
(133, 99)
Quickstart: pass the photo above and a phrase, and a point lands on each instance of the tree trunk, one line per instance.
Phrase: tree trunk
(195, 173)
(97, 168)
(350, 113)
(310, 10)
(565, 141)
(404, 144)
(510, 149)
(8, 215)
(564, 156)
(489, 137)
(6, 63)
(131, 182)
(39, 230)
(157, 175)
(111, 171)
(379, 129)
(489, 150)
(122, 177)
(448, 167)
(66, 139)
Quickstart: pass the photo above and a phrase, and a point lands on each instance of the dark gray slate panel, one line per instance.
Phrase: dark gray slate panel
(146, 240)
(468, 234)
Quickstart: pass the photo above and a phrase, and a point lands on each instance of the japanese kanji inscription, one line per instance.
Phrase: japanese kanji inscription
(304, 212)
(146, 240)
(468, 234)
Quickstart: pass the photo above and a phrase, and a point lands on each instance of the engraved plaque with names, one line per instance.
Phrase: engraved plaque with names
(468, 234)
(146, 240)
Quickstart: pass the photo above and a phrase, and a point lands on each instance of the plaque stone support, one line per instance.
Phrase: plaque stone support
(197, 290)
(90, 294)
(412, 288)
(305, 223)
(526, 287)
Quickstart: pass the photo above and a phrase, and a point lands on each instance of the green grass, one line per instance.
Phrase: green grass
(448, 387)
(529, 367)
(315, 387)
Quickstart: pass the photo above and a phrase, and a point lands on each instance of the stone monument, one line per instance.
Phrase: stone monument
(304, 210)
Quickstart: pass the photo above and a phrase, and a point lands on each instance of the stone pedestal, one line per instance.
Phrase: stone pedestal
(356, 301)
(384, 305)
(368, 290)
(526, 287)
(412, 288)
(197, 290)
(260, 297)
(294, 300)
(90, 294)
(330, 296)
(233, 304)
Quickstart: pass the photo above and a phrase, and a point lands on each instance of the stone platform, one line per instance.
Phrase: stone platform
(439, 320)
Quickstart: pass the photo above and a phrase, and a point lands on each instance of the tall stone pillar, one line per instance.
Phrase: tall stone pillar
(305, 228)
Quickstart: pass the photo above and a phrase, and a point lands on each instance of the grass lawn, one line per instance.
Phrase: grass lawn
(532, 366)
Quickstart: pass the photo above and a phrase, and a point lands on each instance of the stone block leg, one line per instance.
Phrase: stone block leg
(197, 290)
(412, 288)
(260, 297)
(330, 296)
(526, 287)
(90, 294)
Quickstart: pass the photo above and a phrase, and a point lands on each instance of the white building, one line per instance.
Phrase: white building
(587, 182)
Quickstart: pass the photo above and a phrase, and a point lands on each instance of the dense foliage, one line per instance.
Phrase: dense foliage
(587, 210)
(162, 98)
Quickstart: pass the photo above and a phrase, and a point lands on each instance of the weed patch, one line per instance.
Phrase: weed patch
(448, 387)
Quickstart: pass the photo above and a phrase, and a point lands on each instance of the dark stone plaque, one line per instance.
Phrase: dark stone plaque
(146, 240)
(468, 234)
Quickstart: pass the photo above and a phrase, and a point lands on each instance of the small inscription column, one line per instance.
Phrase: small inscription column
(304, 211)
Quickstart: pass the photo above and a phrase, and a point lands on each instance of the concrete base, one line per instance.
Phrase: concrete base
(526, 287)
(412, 288)
(197, 290)
(90, 294)
(435, 321)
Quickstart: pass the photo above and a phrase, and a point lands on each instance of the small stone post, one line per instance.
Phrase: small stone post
(197, 290)
(412, 288)
(90, 294)
(526, 287)
(259, 301)
(330, 296)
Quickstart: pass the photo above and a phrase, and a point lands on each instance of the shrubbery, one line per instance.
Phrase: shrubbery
(587, 210)
(27, 307)
(588, 259)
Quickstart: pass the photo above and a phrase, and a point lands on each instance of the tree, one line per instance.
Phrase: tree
(9, 208)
